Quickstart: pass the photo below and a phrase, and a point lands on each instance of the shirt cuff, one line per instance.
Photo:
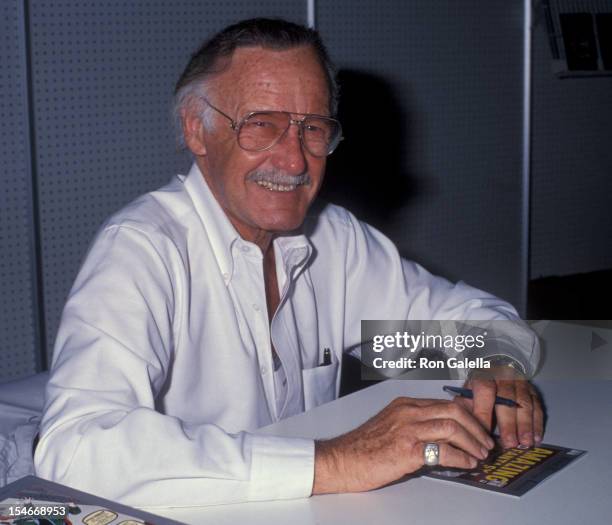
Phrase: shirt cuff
(281, 468)
(526, 360)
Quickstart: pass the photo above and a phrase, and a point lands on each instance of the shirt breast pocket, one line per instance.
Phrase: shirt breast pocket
(319, 384)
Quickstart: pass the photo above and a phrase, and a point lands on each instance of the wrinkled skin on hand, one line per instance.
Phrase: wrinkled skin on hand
(523, 425)
(391, 444)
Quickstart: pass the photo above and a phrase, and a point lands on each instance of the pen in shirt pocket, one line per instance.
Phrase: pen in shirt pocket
(326, 357)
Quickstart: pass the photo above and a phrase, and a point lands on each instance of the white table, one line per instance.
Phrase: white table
(579, 416)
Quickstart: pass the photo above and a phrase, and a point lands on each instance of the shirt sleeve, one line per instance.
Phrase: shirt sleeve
(101, 431)
(381, 285)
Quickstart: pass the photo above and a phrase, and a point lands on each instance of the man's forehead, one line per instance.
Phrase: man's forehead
(254, 72)
(257, 56)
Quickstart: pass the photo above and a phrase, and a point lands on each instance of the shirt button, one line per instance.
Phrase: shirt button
(256, 307)
(245, 249)
(263, 370)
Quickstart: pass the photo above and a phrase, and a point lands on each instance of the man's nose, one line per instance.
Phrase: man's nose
(288, 152)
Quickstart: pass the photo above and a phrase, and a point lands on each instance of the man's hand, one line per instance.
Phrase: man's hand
(391, 444)
(525, 424)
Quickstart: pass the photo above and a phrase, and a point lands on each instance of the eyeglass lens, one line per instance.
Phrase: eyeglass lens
(261, 130)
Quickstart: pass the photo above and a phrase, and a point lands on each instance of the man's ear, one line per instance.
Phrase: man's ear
(193, 131)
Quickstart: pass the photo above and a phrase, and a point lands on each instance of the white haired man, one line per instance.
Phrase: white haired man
(202, 310)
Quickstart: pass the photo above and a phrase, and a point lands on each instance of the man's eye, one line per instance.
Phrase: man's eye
(317, 132)
(314, 129)
(260, 123)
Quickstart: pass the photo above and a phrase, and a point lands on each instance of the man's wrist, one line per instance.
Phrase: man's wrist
(504, 360)
(326, 469)
(499, 362)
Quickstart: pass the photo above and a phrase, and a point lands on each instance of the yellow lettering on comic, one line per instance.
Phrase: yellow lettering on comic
(513, 465)
(498, 477)
(525, 461)
(502, 472)
(544, 452)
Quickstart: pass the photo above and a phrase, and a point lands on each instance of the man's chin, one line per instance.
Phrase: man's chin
(283, 225)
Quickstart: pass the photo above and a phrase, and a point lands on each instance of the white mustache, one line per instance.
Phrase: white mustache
(278, 177)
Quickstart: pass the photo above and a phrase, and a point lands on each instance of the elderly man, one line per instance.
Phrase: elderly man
(203, 309)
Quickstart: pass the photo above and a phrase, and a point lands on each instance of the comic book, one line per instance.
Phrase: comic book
(512, 471)
(35, 501)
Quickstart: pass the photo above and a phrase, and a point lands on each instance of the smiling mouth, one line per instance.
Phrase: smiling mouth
(276, 180)
(276, 187)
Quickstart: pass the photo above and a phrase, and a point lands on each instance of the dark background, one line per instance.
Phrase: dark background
(432, 104)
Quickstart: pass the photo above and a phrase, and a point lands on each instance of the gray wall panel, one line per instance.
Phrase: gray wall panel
(454, 71)
(571, 170)
(439, 82)
(103, 78)
(17, 315)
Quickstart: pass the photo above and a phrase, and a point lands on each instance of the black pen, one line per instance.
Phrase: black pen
(326, 357)
(469, 394)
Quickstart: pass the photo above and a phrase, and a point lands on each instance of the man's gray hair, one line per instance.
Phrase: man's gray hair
(214, 56)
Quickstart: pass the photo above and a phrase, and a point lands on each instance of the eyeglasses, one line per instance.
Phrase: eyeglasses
(261, 130)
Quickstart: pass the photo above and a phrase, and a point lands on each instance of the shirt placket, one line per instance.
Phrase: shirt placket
(285, 339)
(250, 291)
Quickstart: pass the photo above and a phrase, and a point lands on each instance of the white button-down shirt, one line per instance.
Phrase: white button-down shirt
(163, 363)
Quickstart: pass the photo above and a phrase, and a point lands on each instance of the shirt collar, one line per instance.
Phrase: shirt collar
(295, 248)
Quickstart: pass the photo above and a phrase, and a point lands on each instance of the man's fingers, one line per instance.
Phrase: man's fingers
(457, 413)
(416, 401)
(450, 431)
(465, 402)
(453, 457)
(524, 413)
(506, 416)
(484, 401)
(538, 418)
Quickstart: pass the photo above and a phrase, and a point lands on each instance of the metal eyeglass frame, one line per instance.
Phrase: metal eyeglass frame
(237, 125)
